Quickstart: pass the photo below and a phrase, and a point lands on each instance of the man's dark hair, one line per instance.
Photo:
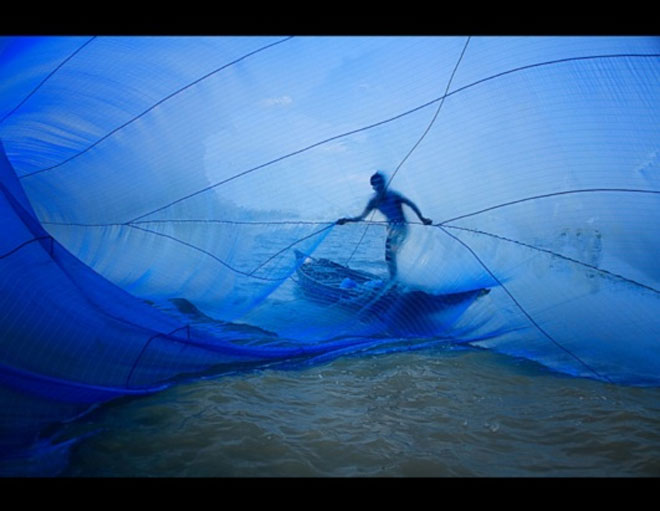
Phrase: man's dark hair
(378, 176)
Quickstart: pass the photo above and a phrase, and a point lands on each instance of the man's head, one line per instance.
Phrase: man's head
(378, 181)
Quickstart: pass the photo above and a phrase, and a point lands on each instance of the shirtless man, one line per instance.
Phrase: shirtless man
(390, 204)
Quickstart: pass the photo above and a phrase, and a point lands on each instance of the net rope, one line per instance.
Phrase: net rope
(46, 78)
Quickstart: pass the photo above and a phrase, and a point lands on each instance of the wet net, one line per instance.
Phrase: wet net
(169, 206)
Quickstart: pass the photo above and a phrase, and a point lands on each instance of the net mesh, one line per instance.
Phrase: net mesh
(169, 205)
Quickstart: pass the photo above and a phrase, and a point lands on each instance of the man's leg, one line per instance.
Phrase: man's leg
(395, 237)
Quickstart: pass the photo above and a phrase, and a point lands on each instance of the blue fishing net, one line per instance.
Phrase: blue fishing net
(169, 206)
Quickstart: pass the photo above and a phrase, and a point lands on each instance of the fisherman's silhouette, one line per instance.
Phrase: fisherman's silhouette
(390, 204)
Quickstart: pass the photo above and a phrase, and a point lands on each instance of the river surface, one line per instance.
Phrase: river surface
(441, 412)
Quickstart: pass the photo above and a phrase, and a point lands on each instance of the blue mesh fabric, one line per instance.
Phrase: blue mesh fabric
(157, 194)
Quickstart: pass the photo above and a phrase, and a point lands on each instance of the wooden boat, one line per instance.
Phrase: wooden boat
(328, 282)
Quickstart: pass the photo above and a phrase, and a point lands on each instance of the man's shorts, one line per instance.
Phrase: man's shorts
(396, 234)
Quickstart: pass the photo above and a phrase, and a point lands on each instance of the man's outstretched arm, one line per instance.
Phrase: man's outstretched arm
(362, 216)
(413, 206)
